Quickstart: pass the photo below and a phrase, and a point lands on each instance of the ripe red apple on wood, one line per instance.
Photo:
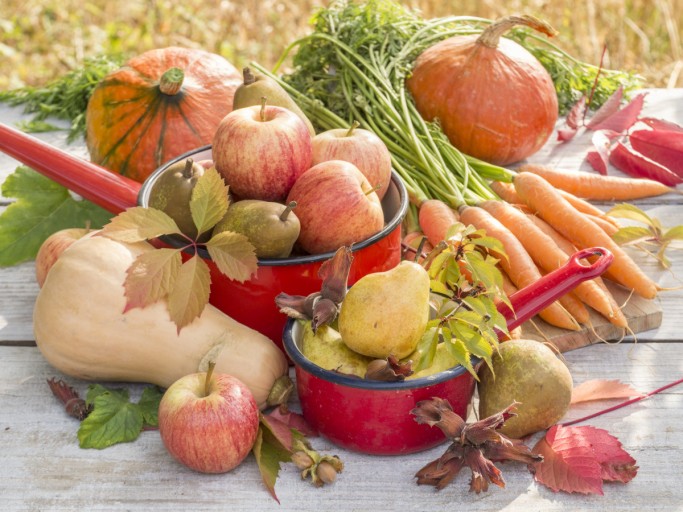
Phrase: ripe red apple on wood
(362, 148)
(208, 422)
(261, 151)
(336, 206)
(52, 247)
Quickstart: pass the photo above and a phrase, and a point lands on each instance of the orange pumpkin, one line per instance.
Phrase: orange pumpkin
(493, 99)
(156, 107)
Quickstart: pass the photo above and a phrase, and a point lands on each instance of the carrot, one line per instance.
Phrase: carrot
(518, 265)
(411, 243)
(568, 248)
(597, 186)
(587, 208)
(435, 218)
(542, 197)
(506, 191)
(607, 226)
(549, 256)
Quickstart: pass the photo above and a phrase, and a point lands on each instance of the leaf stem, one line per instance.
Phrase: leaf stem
(624, 403)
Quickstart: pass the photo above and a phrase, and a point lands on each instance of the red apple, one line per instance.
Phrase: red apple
(261, 151)
(362, 148)
(52, 247)
(336, 206)
(208, 422)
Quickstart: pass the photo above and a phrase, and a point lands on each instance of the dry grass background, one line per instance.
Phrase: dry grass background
(42, 39)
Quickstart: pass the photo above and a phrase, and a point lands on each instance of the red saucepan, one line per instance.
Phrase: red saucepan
(253, 302)
(374, 417)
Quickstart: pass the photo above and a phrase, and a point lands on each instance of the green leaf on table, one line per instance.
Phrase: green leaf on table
(151, 277)
(138, 223)
(42, 207)
(209, 201)
(234, 255)
(149, 405)
(269, 454)
(190, 293)
(630, 235)
(114, 419)
(674, 233)
(628, 211)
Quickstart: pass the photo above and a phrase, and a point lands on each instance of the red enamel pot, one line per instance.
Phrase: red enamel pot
(374, 417)
(252, 302)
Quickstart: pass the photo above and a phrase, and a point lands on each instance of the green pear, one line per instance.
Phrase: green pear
(257, 86)
(172, 191)
(326, 349)
(386, 313)
(272, 228)
(529, 372)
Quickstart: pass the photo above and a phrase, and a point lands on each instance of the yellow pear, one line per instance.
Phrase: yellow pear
(326, 349)
(386, 313)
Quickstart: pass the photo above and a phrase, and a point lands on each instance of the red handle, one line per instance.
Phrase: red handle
(109, 190)
(530, 300)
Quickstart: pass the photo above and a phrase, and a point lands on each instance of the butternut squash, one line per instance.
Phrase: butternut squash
(82, 331)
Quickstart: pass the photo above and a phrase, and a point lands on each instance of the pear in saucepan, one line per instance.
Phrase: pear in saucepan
(326, 349)
(172, 191)
(271, 227)
(257, 86)
(386, 313)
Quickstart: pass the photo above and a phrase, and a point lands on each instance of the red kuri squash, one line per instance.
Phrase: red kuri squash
(493, 99)
(156, 107)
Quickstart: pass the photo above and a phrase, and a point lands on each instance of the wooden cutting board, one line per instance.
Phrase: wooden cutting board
(642, 315)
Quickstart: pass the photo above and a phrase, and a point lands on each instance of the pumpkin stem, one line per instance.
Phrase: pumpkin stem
(249, 77)
(285, 212)
(171, 81)
(355, 125)
(490, 37)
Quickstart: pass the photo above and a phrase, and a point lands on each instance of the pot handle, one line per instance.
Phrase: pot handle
(105, 188)
(533, 298)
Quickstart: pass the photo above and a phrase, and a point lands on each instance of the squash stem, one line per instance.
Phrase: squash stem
(171, 81)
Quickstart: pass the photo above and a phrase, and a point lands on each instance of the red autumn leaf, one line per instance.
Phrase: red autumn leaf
(569, 463)
(597, 389)
(622, 119)
(608, 108)
(579, 459)
(639, 166)
(660, 124)
(293, 420)
(616, 464)
(663, 146)
(566, 134)
(599, 158)
(575, 115)
(280, 430)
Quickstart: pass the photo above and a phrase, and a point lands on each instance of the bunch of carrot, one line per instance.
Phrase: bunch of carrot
(542, 218)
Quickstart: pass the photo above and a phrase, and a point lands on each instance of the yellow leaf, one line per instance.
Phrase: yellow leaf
(190, 295)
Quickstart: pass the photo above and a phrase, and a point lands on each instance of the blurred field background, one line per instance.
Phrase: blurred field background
(41, 40)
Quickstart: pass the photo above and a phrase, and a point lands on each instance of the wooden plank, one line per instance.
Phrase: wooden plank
(44, 469)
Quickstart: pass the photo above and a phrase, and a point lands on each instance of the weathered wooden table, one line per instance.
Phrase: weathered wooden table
(42, 468)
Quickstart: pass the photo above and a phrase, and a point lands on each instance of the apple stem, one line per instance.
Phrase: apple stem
(373, 189)
(207, 379)
(263, 108)
(187, 172)
(249, 77)
(355, 125)
(285, 212)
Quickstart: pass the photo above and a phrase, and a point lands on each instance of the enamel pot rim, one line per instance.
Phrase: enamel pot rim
(393, 223)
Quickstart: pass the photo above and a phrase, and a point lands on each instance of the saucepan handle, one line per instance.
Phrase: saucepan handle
(584, 264)
(109, 190)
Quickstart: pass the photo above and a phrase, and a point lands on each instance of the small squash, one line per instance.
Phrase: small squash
(493, 99)
(82, 330)
(156, 107)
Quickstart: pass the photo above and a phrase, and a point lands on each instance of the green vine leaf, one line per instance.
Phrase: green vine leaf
(426, 349)
(114, 419)
(234, 255)
(138, 224)
(209, 201)
(631, 235)
(41, 208)
(151, 277)
(190, 294)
